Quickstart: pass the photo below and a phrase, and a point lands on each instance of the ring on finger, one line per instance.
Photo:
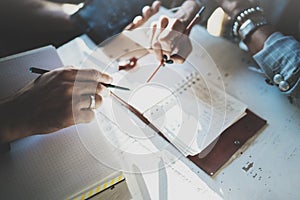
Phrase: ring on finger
(92, 102)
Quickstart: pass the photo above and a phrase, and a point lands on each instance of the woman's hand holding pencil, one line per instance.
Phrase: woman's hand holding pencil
(169, 39)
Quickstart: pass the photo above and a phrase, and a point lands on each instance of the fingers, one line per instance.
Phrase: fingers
(84, 116)
(182, 49)
(155, 6)
(86, 97)
(137, 21)
(86, 101)
(83, 111)
(93, 75)
(157, 29)
(147, 12)
(67, 100)
(81, 88)
(82, 83)
(167, 40)
(155, 45)
(72, 74)
(170, 37)
(182, 53)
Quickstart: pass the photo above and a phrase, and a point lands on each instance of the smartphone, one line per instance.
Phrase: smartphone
(101, 19)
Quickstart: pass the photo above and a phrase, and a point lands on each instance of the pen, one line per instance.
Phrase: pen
(42, 71)
(186, 32)
(194, 20)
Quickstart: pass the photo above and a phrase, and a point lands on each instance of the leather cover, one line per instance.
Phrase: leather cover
(232, 139)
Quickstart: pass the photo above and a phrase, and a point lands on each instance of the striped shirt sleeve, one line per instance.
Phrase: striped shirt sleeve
(280, 61)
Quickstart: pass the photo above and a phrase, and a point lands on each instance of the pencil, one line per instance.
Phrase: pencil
(42, 71)
(194, 20)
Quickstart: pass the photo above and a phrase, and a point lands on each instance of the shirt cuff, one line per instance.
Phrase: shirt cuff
(279, 59)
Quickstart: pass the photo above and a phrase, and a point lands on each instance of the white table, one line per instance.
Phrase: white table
(267, 169)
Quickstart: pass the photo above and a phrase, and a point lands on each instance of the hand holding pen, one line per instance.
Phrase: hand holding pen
(108, 85)
(55, 100)
(80, 88)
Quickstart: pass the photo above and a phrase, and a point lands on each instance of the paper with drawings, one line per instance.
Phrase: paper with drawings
(188, 109)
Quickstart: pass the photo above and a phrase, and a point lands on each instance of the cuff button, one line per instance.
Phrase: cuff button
(277, 78)
(284, 86)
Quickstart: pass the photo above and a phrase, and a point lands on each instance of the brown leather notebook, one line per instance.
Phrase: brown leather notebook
(228, 143)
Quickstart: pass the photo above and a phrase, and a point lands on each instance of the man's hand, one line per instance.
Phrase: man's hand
(57, 99)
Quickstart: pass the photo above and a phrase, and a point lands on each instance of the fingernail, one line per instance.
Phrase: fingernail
(104, 92)
(165, 57)
(169, 61)
(110, 80)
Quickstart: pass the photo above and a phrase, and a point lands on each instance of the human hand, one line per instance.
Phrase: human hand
(147, 12)
(168, 39)
(57, 99)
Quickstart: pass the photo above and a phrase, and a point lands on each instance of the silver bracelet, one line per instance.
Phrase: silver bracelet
(249, 26)
(242, 17)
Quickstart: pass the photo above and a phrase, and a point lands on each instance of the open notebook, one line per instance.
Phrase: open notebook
(57, 165)
(190, 111)
(194, 112)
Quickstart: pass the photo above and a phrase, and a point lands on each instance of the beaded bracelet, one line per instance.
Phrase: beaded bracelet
(242, 17)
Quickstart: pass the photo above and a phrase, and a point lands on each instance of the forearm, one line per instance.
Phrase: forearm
(255, 40)
(34, 15)
(27, 24)
(276, 54)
